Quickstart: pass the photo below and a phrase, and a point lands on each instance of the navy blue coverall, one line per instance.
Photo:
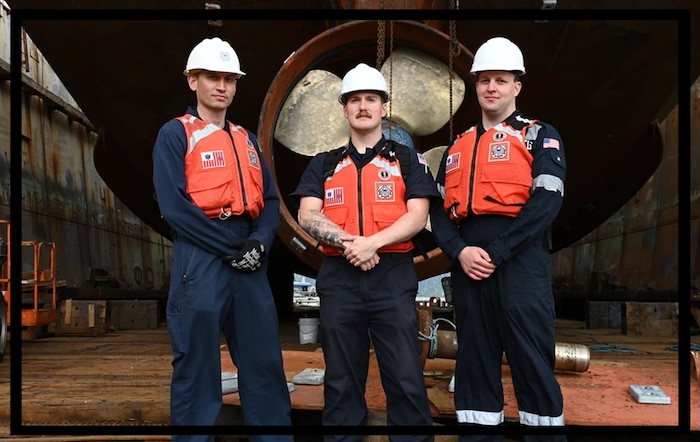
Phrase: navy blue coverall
(381, 300)
(208, 297)
(512, 310)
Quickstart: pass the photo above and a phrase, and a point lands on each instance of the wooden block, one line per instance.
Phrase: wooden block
(441, 401)
(650, 318)
(133, 315)
(81, 317)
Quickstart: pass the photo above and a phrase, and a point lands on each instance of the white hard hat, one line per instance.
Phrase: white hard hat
(213, 54)
(363, 78)
(498, 54)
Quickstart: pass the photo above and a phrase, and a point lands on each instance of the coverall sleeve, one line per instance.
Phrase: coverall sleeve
(444, 230)
(264, 227)
(186, 219)
(547, 193)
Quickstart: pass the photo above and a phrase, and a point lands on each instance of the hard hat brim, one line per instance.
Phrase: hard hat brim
(195, 70)
(342, 98)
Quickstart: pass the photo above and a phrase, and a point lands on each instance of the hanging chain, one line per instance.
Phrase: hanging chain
(453, 52)
(391, 67)
(380, 38)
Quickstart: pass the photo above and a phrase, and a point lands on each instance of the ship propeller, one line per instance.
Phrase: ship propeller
(311, 119)
(301, 116)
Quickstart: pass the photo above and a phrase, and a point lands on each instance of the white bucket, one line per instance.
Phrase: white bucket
(308, 330)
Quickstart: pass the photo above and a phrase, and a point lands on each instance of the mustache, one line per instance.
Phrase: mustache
(363, 114)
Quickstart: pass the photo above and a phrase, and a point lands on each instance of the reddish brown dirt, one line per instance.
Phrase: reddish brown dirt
(122, 378)
(597, 397)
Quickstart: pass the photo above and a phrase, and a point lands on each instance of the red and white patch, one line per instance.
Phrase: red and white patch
(213, 159)
(452, 162)
(334, 197)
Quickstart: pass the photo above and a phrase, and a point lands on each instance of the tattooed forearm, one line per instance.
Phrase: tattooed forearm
(322, 229)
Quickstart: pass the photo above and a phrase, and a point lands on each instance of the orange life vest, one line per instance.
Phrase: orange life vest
(489, 175)
(224, 175)
(371, 205)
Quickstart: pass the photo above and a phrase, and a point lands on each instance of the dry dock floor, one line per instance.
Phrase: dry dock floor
(121, 379)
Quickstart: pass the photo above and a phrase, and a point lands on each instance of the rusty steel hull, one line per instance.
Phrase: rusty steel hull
(612, 147)
(99, 242)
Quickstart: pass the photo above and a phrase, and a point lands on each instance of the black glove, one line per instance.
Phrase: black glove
(249, 258)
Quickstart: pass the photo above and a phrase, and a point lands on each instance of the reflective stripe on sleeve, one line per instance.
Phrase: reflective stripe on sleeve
(549, 182)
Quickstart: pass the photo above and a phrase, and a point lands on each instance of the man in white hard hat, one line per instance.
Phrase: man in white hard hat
(502, 183)
(216, 193)
(364, 202)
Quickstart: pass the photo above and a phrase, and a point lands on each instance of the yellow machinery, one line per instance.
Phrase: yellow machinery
(38, 286)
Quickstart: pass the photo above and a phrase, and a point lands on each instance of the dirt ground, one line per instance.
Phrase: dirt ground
(122, 379)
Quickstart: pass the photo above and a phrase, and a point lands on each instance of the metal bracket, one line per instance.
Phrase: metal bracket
(649, 394)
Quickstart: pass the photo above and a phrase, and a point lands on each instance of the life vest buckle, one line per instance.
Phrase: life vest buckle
(225, 214)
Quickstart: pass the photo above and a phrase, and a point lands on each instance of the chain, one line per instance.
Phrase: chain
(453, 51)
(391, 67)
(380, 38)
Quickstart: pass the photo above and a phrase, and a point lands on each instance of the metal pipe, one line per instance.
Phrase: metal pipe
(568, 357)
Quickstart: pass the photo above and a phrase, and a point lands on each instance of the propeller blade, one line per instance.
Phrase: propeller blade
(420, 90)
(311, 119)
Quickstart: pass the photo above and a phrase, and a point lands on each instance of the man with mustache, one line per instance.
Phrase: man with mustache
(364, 210)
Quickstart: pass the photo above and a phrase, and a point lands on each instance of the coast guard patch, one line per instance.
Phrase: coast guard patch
(385, 192)
(253, 158)
(499, 151)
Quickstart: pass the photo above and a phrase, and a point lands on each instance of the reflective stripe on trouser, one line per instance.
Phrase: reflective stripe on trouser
(209, 299)
(382, 301)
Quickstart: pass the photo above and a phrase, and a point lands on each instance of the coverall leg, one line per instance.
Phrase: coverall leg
(527, 330)
(383, 301)
(393, 324)
(250, 326)
(511, 311)
(205, 294)
(344, 339)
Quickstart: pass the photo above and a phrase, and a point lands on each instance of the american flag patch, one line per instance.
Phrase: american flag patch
(213, 159)
(452, 162)
(421, 159)
(334, 197)
(550, 143)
